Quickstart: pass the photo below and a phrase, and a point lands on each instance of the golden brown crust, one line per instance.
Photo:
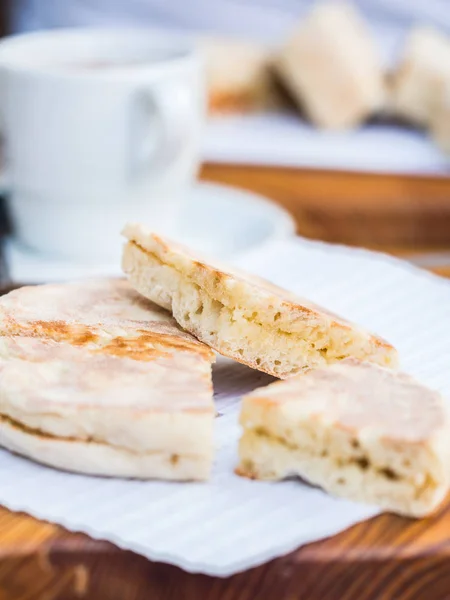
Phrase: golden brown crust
(220, 102)
(37, 433)
(244, 471)
(148, 346)
(276, 305)
(114, 333)
(219, 277)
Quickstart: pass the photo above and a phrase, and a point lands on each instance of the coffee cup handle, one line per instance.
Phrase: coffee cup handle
(160, 128)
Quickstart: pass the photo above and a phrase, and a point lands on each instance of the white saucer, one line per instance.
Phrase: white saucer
(221, 221)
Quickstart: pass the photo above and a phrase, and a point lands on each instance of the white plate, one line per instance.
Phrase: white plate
(286, 140)
(219, 220)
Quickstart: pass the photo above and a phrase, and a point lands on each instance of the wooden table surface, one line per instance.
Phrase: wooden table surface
(386, 558)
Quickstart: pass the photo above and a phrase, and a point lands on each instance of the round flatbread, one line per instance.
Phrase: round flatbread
(96, 379)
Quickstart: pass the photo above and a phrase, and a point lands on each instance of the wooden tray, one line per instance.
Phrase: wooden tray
(386, 558)
(389, 212)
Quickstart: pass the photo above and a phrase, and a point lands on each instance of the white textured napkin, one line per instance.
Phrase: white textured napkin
(230, 524)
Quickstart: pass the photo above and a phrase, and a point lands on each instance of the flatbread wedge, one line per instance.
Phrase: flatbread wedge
(440, 120)
(423, 68)
(95, 379)
(241, 316)
(356, 429)
(331, 67)
(238, 76)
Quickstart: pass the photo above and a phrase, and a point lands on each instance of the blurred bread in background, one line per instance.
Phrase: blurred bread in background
(424, 65)
(330, 72)
(331, 66)
(238, 76)
(440, 118)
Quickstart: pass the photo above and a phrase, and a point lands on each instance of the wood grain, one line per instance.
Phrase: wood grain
(444, 271)
(377, 211)
(386, 558)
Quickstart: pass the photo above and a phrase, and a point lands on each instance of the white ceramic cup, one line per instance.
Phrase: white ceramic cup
(101, 127)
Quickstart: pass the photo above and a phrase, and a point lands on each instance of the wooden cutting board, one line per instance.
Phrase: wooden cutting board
(386, 558)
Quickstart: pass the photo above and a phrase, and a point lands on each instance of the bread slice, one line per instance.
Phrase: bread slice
(96, 379)
(238, 76)
(331, 67)
(440, 119)
(425, 64)
(243, 317)
(356, 429)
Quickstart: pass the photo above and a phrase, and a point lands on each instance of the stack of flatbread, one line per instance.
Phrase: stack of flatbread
(343, 418)
(114, 378)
